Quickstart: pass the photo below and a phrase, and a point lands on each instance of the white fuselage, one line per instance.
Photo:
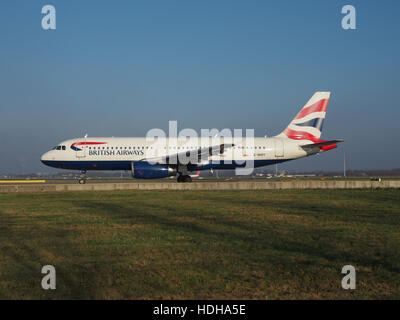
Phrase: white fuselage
(118, 153)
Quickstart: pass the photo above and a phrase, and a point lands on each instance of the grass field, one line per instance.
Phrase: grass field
(201, 244)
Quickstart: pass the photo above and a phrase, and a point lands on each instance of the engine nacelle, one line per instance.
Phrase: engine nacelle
(146, 170)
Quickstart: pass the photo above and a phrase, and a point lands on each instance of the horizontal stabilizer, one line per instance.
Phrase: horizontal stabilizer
(321, 144)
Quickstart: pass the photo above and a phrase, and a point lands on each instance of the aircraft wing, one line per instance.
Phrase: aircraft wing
(195, 156)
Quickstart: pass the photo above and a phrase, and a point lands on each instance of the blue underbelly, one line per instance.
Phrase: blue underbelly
(126, 165)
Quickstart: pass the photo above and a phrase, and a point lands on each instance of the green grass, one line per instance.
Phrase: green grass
(201, 244)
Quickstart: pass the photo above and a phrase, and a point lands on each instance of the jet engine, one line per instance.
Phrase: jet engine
(146, 170)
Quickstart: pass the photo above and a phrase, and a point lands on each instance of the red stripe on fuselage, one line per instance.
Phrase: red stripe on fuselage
(319, 106)
(87, 143)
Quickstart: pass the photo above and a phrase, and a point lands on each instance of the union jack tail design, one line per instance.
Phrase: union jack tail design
(307, 125)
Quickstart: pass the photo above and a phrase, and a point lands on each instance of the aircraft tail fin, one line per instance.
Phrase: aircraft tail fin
(307, 125)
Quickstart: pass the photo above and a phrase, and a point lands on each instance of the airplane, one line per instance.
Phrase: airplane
(301, 138)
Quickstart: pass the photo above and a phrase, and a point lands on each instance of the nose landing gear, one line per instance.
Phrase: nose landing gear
(82, 179)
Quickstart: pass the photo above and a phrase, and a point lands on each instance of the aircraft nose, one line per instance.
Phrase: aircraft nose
(44, 157)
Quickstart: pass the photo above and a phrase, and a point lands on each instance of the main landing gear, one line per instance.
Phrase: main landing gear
(82, 179)
(184, 178)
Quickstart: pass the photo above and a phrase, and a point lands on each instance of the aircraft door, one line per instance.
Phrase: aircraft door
(279, 148)
(80, 148)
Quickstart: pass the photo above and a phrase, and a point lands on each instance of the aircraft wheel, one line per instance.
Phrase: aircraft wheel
(82, 179)
(185, 178)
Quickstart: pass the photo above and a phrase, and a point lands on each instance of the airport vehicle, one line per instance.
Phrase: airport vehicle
(165, 156)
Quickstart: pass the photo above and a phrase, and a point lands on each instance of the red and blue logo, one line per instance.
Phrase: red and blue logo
(84, 143)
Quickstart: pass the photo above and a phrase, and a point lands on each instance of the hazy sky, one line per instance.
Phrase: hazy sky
(120, 68)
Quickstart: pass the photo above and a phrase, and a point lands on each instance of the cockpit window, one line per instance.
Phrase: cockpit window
(63, 147)
(58, 148)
